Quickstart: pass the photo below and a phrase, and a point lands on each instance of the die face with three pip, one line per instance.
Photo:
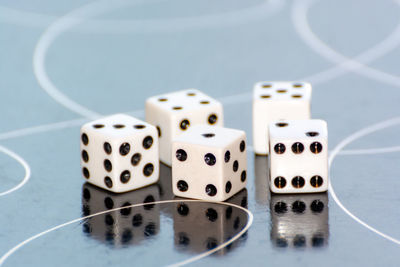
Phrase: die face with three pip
(209, 163)
(274, 101)
(119, 153)
(176, 112)
(298, 156)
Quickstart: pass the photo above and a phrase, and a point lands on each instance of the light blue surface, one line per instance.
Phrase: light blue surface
(115, 59)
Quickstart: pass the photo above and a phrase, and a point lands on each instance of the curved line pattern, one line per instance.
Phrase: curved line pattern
(357, 135)
(24, 164)
(256, 12)
(75, 18)
(299, 17)
(190, 260)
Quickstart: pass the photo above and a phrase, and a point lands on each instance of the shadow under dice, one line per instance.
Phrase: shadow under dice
(273, 101)
(209, 163)
(119, 153)
(174, 113)
(123, 227)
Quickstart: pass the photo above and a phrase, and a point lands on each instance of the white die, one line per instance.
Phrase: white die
(173, 113)
(119, 153)
(209, 163)
(298, 156)
(123, 227)
(300, 221)
(274, 101)
(201, 226)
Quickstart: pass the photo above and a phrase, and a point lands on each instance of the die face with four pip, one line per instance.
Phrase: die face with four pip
(274, 101)
(209, 163)
(298, 156)
(176, 112)
(119, 153)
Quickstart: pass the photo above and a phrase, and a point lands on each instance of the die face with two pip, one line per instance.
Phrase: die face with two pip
(176, 112)
(298, 156)
(274, 101)
(209, 163)
(119, 153)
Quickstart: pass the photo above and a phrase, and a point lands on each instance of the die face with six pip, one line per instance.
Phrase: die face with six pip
(209, 163)
(119, 153)
(298, 156)
(175, 112)
(274, 101)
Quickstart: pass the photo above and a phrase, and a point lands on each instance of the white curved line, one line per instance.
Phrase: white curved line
(357, 135)
(39, 58)
(41, 129)
(24, 164)
(190, 260)
(370, 151)
(299, 17)
(75, 18)
(257, 12)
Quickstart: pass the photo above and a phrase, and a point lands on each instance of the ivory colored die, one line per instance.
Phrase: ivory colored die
(209, 163)
(119, 153)
(298, 156)
(175, 112)
(274, 101)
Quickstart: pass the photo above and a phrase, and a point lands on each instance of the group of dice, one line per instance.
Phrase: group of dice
(185, 130)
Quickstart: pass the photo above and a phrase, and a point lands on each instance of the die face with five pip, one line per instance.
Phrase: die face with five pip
(175, 112)
(274, 101)
(209, 163)
(298, 156)
(119, 153)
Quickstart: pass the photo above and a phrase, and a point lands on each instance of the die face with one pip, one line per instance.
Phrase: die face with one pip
(119, 153)
(298, 156)
(174, 113)
(209, 163)
(274, 101)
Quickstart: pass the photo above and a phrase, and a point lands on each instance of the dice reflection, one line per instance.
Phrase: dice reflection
(202, 226)
(261, 181)
(165, 182)
(124, 227)
(300, 221)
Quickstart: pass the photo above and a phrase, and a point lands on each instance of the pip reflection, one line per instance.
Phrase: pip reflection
(123, 227)
(299, 221)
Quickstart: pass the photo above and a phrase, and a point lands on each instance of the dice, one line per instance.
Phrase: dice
(298, 156)
(123, 227)
(274, 101)
(119, 153)
(201, 226)
(174, 113)
(209, 163)
(300, 221)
